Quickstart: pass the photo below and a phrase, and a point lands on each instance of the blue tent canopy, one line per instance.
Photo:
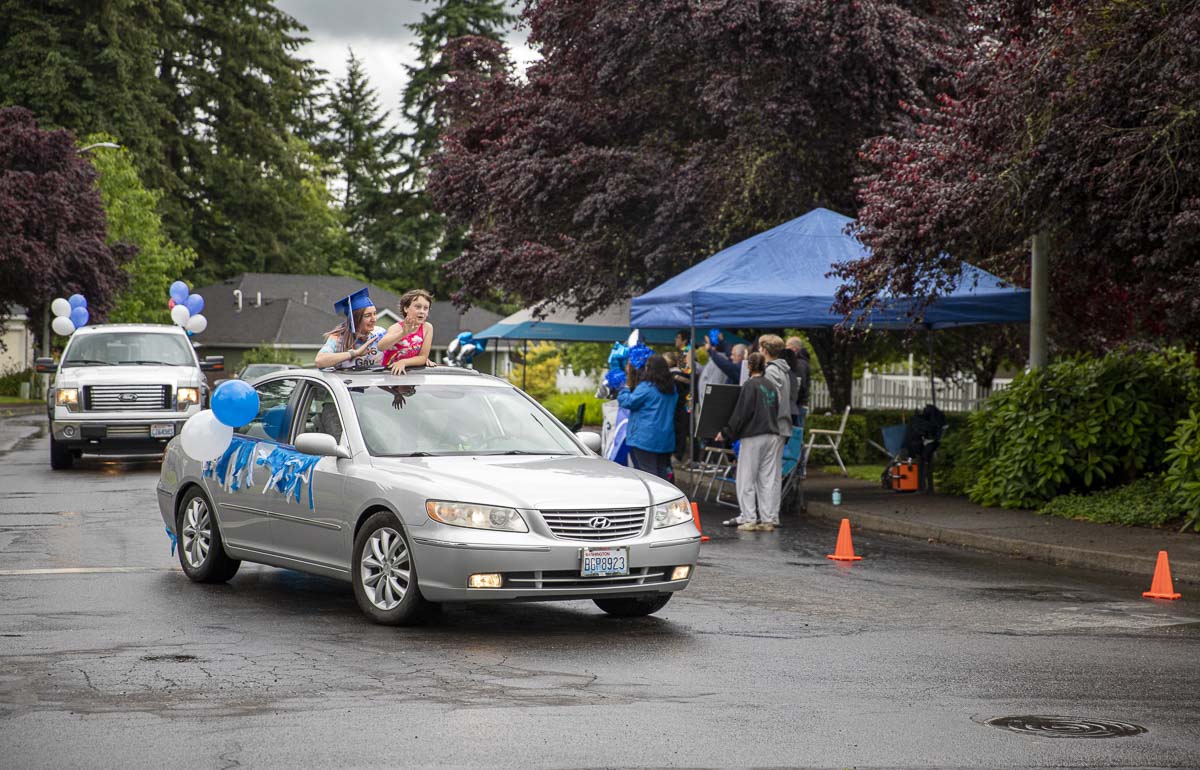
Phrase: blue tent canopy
(778, 279)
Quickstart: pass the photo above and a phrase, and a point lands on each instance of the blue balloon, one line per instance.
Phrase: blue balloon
(235, 403)
(79, 316)
(638, 355)
(179, 292)
(615, 379)
(714, 336)
(77, 300)
(195, 303)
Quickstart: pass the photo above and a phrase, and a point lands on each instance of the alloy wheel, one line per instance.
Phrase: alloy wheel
(386, 568)
(197, 532)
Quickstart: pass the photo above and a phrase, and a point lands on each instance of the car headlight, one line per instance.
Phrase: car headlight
(475, 516)
(186, 397)
(672, 513)
(68, 397)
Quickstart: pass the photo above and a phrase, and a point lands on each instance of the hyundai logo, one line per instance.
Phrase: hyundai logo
(129, 396)
(599, 522)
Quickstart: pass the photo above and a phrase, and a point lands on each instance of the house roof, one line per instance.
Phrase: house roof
(297, 310)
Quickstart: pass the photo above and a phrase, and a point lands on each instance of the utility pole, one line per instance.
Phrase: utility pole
(1039, 300)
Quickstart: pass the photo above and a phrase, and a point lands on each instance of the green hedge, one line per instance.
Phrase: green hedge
(565, 405)
(1079, 425)
(1182, 482)
(1138, 504)
(10, 383)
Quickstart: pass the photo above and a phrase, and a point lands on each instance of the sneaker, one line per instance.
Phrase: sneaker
(766, 527)
(731, 522)
(749, 526)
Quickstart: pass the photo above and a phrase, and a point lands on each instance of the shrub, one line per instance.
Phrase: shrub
(1182, 480)
(1077, 425)
(1138, 504)
(565, 405)
(10, 383)
(541, 379)
(953, 472)
(268, 354)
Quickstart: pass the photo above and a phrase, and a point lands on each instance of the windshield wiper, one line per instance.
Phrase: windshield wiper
(75, 361)
(154, 363)
(409, 454)
(523, 452)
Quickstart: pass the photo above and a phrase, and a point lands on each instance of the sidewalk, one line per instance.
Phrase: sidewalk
(1020, 534)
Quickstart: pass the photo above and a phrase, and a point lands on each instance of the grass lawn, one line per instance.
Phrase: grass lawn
(860, 472)
(18, 400)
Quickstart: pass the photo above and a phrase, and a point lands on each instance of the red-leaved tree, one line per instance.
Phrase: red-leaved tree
(1078, 119)
(52, 224)
(652, 134)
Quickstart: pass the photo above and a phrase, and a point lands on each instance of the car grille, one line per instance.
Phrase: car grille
(126, 398)
(558, 579)
(580, 525)
(128, 431)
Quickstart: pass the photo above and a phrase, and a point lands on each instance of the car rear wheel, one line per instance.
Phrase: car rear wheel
(634, 606)
(201, 552)
(385, 577)
(61, 458)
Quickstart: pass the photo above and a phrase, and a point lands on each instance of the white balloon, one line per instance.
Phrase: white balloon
(61, 308)
(634, 336)
(197, 323)
(204, 437)
(63, 326)
(180, 315)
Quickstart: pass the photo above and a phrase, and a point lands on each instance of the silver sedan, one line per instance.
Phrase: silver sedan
(437, 485)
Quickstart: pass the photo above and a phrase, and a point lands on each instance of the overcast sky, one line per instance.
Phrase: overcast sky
(377, 31)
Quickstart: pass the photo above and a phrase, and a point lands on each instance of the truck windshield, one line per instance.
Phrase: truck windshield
(427, 420)
(128, 349)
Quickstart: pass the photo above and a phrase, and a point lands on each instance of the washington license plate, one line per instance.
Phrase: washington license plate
(162, 430)
(605, 562)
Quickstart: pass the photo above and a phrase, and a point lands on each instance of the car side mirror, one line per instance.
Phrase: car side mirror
(590, 440)
(321, 445)
(213, 364)
(44, 365)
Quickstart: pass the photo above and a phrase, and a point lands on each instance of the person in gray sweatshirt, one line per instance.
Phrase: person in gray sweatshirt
(754, 424)
(779, 374)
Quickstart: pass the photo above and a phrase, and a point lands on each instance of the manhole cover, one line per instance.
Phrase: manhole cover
(1067, 727)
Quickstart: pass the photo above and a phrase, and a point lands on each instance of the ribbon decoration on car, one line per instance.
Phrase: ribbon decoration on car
(289, 469)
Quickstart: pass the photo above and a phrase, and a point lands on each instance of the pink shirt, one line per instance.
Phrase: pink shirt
(408, 346)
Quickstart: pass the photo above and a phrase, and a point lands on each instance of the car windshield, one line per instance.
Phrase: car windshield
(129, 348)
(421, 420)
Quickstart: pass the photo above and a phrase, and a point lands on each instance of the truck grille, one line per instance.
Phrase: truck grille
(581, 525)
(126, 398)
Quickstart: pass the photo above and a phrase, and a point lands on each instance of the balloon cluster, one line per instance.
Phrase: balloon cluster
(633, 353)
(638, 355)
(69, 314)
(185, 309)
(207, 434)
(463, 349)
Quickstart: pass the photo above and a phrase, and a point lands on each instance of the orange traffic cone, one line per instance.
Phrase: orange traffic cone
(1161, 587)
(696, 518)
(845, 548)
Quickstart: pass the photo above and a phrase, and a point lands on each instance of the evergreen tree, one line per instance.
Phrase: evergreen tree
(364, 151)
(419, 234)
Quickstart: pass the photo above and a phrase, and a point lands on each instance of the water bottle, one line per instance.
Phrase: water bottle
(837, 497)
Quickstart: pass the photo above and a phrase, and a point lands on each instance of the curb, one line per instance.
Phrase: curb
(1181, 570)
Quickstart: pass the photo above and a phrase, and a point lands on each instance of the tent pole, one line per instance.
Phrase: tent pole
(524, 361)
(929, 344)
(693, 449)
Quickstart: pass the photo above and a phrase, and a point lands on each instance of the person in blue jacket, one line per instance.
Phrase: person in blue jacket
(650, 435)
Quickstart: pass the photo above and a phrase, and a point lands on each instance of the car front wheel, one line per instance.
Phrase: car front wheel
(201, 552)
(385, 577)
(633, 607)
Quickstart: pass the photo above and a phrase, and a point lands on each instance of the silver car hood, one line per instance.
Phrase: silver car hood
(546, 483)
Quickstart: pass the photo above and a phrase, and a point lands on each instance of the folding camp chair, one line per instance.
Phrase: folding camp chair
(717, 464)
(793, 469)
(830, 440)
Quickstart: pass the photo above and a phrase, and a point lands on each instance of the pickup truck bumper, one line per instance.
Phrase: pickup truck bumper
(116, 436)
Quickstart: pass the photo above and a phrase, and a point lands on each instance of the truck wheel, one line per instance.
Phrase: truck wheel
(61, 458)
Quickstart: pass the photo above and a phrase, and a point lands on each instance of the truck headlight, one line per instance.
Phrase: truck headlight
(672, 513)
(68, 397)
(185, 397)
(475, 516)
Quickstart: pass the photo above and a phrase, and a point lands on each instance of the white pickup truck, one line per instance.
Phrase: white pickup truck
(123, 389)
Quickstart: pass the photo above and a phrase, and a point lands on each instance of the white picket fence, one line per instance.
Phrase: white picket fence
(908, 392)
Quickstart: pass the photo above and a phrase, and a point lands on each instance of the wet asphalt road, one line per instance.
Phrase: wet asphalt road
(774, 656)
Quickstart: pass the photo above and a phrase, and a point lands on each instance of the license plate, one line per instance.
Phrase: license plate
(605, 562)
(162, 430)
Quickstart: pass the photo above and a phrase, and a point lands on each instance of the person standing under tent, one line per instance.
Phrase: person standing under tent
(651, 404)
(754, 424)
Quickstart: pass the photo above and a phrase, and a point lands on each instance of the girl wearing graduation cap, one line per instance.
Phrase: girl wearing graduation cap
(355, 342)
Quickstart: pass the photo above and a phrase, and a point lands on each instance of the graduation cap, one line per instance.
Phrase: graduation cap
(356, 301)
